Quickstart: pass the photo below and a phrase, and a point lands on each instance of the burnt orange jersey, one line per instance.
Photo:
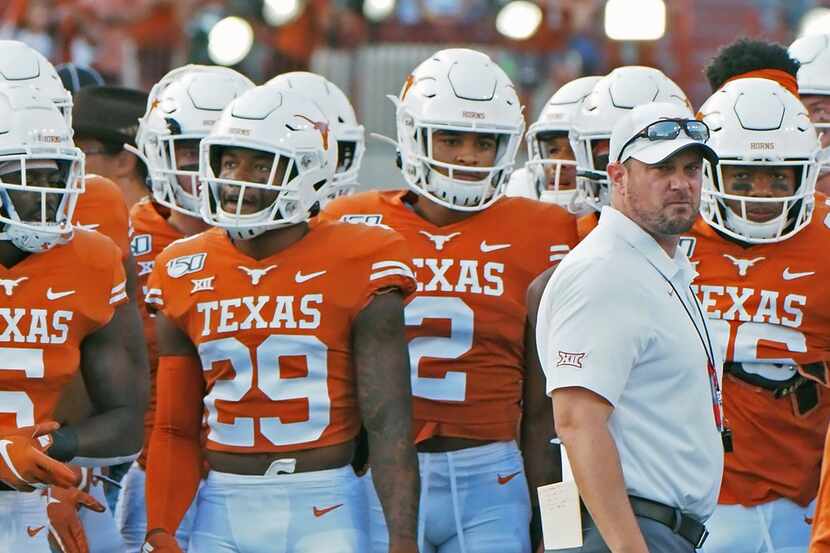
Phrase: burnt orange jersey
(820, 542)
(151, 234)
(769, 309)
(586, 223)
(466, 322)
(274, 335)
(101, 207)
(49, 303)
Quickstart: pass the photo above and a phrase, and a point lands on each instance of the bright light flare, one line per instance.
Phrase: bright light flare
(280, 12)
(378, 10)
(519, 19)
(230, 40)
(635, 19)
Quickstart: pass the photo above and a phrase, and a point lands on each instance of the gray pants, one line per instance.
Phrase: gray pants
(659, 539)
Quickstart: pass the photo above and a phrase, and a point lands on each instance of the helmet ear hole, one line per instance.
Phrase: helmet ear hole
(398, 159)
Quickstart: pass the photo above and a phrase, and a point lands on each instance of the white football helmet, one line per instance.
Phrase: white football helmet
(296, 133)
(613, 96)
(350, 135)
(758, 122)
(814, 77)
(183, 106)
(34, 135)
(464, 91)
(21, 64)
(556, 117)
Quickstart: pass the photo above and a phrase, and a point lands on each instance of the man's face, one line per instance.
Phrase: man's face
(558, 147)
(469, 149)
(819, 109)
(664, 198)
(757, 181)
(243, 164)
(98, 160)
(28, 204)
(187, 159)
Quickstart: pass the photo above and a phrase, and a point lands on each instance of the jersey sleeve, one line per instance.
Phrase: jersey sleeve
(389, 266)
(579, 344)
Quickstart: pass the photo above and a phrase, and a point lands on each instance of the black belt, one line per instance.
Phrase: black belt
(681, 524)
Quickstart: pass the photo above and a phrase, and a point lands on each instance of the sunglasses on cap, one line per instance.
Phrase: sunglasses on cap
(669, 129)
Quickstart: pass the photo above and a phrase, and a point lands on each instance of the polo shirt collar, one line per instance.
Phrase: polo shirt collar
(678, 267)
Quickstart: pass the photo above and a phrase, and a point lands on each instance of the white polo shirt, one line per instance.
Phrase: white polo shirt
(610, 322)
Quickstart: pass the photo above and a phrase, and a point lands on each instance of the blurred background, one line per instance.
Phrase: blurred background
(367, 47)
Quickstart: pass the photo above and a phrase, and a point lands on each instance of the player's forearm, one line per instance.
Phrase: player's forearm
(109, 438)
(542, 464)
(394, 464)
(601, 484)
(174, 470)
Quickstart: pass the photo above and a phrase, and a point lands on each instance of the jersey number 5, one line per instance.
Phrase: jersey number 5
(30, 361)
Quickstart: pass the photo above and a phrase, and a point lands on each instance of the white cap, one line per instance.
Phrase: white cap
(652, 151)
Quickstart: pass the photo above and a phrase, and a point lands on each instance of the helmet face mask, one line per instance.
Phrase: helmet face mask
(282, 142)
(757, 123)
(181, 109)
(41, 171)
(554, 178)
(458, 91)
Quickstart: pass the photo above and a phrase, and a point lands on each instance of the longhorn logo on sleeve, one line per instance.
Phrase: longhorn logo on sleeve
(570, 359)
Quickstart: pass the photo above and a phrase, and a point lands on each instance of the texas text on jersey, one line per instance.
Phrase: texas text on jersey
(47, 308)
(469, 307)
(273, 335)
(769, 308)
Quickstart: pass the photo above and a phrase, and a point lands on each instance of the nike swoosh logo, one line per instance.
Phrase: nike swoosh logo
(299, 277)
(34, 531)
(320, 512)
(485, 247)
(505, 479)
(51, 295)
(792, 276)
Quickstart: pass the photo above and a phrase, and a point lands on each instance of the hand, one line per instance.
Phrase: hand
(160, 541)
(66, 533)
(24, 464)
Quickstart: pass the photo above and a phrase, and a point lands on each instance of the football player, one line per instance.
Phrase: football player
(350, 135)
(549, 173)
(181, 110)
(751, 58)
(460, 124)
(57, 320)
(101, 208)
(288, 333)
(763, 288)
(813, 52)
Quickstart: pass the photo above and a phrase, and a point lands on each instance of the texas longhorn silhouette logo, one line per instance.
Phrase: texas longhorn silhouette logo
(321, 126)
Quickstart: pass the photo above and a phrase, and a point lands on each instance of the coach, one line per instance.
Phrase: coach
(629, 361)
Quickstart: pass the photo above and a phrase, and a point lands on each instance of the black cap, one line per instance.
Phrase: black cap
(75, 77)
(108, 113)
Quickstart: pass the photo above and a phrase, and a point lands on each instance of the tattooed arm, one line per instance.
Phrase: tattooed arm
(382, 366)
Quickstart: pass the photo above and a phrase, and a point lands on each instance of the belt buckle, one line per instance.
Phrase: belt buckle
(702, 538)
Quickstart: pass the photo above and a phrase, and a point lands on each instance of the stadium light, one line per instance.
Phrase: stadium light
(230, 40)
(280, 12)
(519, 19)
(635, 19)
(815, 22)
(378, 10)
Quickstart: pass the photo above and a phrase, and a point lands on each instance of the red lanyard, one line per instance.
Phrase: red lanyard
(714, 387)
